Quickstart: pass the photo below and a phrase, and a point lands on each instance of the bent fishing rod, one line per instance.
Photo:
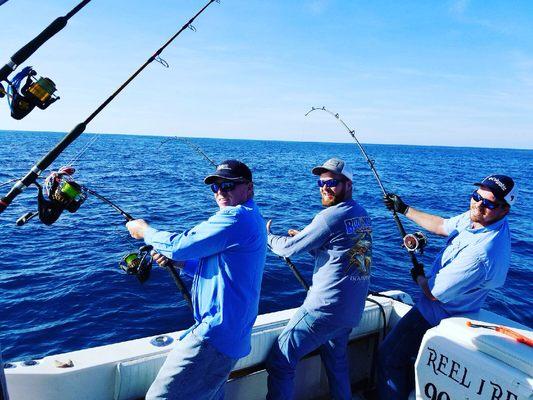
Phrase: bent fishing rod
(36, 91)
(287, 260)
(412, 242)
(32, 175)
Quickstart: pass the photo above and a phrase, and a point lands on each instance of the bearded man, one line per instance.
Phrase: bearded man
(339, 238)
(474, 262)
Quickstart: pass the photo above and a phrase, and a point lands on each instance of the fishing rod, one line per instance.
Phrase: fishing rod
(287, 260)
(61, 193)
(193, 146)
(37, 91)
(140, 263)
(412, 242)
(32, 175)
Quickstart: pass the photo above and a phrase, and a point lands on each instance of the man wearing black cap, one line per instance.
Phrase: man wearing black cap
(225, 255)
(473, 263)
(339, 238)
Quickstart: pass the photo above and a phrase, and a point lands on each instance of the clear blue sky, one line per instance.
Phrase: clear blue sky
(454, 73)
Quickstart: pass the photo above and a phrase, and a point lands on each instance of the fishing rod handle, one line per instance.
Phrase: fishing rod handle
(169, 265)
(296, 272)
(179, 283)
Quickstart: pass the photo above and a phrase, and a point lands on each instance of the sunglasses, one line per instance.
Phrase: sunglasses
(329, 183)
(484, 202)
(225, 186)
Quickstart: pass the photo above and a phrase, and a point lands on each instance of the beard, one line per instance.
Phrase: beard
(476, 214)
(333, 199)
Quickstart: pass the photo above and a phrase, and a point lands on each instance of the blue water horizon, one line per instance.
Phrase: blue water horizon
(61, 286)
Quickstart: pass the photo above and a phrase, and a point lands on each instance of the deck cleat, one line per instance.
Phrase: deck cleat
(161, 341)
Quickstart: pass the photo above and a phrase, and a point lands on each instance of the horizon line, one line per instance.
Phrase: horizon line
(275, 140)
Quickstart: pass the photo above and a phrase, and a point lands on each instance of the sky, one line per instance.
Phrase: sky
(452, 73)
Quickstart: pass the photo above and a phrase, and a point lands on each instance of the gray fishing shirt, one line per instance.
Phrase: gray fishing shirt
(340, 239)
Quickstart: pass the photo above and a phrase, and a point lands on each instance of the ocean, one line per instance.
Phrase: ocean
(62, 289)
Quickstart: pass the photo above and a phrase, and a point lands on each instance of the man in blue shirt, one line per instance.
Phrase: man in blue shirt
(339, 238)
(225, 255)
(473, 263)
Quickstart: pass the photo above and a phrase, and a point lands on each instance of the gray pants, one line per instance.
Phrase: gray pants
(193, 370)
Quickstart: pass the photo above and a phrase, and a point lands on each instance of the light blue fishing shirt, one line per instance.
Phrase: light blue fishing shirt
(226, 256)
(340, 239)
(473, 263)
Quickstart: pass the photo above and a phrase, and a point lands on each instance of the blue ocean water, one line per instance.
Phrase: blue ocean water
(62, 290)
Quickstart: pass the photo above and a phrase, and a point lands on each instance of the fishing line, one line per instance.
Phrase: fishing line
(83, 150)
(190, 144)
(51, 156)
(8, 182)
(408, 240)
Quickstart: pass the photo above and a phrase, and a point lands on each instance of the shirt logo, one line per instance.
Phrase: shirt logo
(358, 225)
(360, 256)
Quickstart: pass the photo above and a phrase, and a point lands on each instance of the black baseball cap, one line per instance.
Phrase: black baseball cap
(501, 186)
(232, 170)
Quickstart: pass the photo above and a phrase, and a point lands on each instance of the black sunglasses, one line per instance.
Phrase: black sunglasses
(225, 187)
(485, 202)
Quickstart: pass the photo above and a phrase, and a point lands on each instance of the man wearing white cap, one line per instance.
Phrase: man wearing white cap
(339, 238)
(473, 263)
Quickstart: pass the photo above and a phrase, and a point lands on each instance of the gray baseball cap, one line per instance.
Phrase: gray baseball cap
(335, 165)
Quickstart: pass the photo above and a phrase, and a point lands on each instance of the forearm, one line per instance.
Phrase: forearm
(430, 222)
(422, 282)
(311, 237)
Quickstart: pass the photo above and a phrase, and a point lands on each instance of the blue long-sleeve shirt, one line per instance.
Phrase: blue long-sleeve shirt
(226, 256)
(339, 237)
(473, 263)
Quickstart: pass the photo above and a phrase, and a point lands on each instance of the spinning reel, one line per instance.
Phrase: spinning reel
(60, 193)
(415, 242)
(35, 92)
(138, 263)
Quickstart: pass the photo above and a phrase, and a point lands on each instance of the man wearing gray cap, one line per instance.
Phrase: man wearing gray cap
(339, 238)
(225, 255)
(473, 263)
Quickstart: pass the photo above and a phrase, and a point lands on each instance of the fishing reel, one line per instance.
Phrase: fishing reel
(35, 92)
(415, 242)
(60, 193)
(138, 263)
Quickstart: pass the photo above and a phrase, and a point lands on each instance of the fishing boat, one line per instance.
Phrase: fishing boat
(481, 356)
(455, 361)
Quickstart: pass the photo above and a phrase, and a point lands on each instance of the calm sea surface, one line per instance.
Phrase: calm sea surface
(62, 290)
